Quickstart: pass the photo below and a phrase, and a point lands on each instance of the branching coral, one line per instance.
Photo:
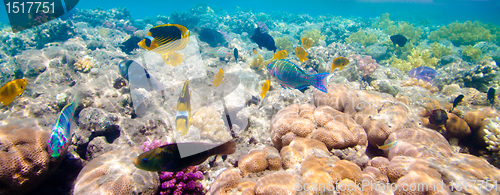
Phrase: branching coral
(418, 57)
(383, 22)
(467, 33)
(472, 54)
(284, 43)
(258, 63)
(439, 50)
(85, 63)
(362, 38)
(315, 35)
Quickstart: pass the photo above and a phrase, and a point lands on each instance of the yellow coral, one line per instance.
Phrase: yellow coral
(383, 22)
(418, 57)
(258, 63)
(472, 53)
(85, 64)
(284, 43)
(362, 38)
(315, 35)
(439, 50)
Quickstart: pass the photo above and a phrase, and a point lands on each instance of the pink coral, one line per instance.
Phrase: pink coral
(366, 64)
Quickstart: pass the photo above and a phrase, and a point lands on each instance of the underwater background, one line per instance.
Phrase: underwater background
(252, 97)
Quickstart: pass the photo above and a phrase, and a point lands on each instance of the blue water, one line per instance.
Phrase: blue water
(436, 11)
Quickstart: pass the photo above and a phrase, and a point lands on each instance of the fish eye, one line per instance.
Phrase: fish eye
(21, 87)
(148, 43)
(145, 160)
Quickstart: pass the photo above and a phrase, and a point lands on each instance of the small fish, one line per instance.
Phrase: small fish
(491, 95)
(264, 40)
(457, 100)
(389, 145)
(168, 157)
(10, 90)
(130, 44)
(120, 82)
(235, 55)
(400, 40)
(339, 62)
(438, 117)
(254, 51)
(301, 54)
(183, 117)
(60, 135)
(265, 88)
(282, 54)
(290, 75)
(307, 42)
(164, 38)
(220, 52)
(172, 58)
(218, 78)
(212, 37)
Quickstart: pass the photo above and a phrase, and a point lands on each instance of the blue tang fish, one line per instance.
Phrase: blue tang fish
(61, 132)
(290, 75)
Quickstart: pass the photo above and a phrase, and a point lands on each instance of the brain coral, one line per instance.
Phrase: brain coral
(332, 127)
(418, 142)
(114, 173)
(24, 160)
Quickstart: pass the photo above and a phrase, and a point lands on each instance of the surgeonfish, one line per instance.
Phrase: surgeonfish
(339, 62)
(282, 54)
(438, 117)
(491, 95)
(172, 58)
(10, 90)
(166, 38)
(265, 88)
(306, 42)
(218, 78)
(168, 157)
(457, 100)
(183, 117)
(387, 146)
(235, 51)
(301, 54)
(60, 135)
(264, 40)
(400, 40)
(290, 75)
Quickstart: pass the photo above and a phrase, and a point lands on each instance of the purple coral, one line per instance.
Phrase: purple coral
(367, 65)
(177, 183)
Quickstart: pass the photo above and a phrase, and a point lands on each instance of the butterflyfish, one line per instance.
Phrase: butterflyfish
(218, 78)
(168, 158)
(399, 40)
(301, 54)
(60, 135)
(339, 62)
(164, 38)
(457, 100)
(282, 54)
(389, 145)
(183, 117)
(306, 42)
(10, 90)
(265, 88)
(289, 75)
(172, 58)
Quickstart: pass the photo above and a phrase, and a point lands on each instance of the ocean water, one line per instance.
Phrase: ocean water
(253, 97)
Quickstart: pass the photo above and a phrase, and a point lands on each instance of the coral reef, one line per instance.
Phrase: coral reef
(466, 33)
(259, 64)
(439, 50)
(472, 54)
(85, 64)
(366, 64)
(284, 43)
(210, 124)
(481, 75)
(383, 21)
(405, 29)
(315, 35)
(362, 38)
(418, 57)
(420, 83)
(492, 133)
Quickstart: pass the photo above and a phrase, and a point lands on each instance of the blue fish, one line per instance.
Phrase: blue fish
(423, 73)
(264, 40)
(290, 75)
(61, 133)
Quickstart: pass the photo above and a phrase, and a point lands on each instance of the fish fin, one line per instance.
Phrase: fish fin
(341, 67)
(225, 148)
(283, 86)
(302, 88)
(321, 81)
(6, 101)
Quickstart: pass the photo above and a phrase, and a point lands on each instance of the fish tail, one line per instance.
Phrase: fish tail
(320, 81)
(224, 149)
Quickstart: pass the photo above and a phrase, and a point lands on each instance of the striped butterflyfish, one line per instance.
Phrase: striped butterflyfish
(183, 116)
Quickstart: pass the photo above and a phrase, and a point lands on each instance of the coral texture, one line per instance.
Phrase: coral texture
(420, 83)
(366, 64)
(467, 33)
(85, 63)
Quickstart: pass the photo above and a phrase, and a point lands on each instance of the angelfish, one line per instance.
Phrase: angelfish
(183, 116)
(61, 133)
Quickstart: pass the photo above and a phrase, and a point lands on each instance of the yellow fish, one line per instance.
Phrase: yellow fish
(280, 55)
(339, 62)
(10, 90)
(301, 54)
(387, 146)
(265, 88)
(218, 78)
(183, 117)
(172, 58)
(307, 42)
(164, 38)
(254, 51)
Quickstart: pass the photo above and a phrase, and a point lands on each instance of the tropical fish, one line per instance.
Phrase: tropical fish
(235, 55)
(60, 135)
(254, 51)
(119, 83)
(438, 117)
(183, 117)
(307, 42)
(265, 88)
(339, 62)
(301, 54)
(218, 78)
(457, 100)
(165, 38)
(172, 58)
(138, 76)
(220, 52)
(10, 90)
(130, 44)
(400, 40)
(423, 73)
(264, 40)
(212, 37)
(491, 95)
(290, 75)
(282, 54)
(389, 145)
(168, 157)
